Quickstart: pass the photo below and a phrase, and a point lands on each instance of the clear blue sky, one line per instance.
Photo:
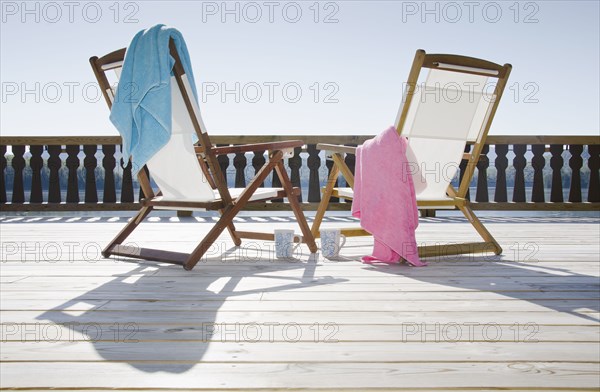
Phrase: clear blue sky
(353, 67)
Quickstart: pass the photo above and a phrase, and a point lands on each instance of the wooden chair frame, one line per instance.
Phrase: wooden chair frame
(458, 198)
(207, 157)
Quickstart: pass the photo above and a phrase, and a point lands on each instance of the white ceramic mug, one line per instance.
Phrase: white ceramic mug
(284, 243)
(330, 242)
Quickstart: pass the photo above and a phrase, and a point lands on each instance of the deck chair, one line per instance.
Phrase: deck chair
(454, 105)
(190, 178)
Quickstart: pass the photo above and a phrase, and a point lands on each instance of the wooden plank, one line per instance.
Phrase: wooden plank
(300, 305)
(282, 268)
(540, 206)
(240, 138)
(457, 295)
(349, 255)
(383, 281)
(293, 295)
(361, 376)
(81, 206)
(456, 331)
(311, 389)
(321, 317)
(237, 138)
(12, 278)
(382, 278)
(235, 261)
(240, 348)
(439, 270)
(58, 140)
(323, 286)
(134, 206)
(541, 139)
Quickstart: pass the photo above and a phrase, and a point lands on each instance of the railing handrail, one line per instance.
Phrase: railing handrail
(308, 139)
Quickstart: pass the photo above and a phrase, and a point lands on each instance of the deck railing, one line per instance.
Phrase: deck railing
(518, 172)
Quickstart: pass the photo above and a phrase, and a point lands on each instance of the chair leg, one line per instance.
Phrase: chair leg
(229, 212)
(127, 230)
(300, 218)
(325, 200)
(480, 228)
(232, 232)
(211, 237)
(338, 159)
(489, 243)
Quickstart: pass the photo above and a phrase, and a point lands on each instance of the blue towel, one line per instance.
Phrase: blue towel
(142, 108)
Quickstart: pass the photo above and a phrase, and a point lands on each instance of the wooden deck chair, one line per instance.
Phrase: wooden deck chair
(190, 179)
(453, 106)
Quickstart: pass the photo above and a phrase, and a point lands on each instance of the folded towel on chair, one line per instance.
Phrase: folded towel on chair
(142, 108)
(384, 198)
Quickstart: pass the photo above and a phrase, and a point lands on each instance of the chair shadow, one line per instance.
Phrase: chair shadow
(524, 281)
(126, 321)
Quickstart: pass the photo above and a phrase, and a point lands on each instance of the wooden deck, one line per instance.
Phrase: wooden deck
(526, 320)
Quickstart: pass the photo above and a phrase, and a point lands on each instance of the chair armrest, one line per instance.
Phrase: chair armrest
(482, 157)
(253, 147)
(336, 148)
(352, 150)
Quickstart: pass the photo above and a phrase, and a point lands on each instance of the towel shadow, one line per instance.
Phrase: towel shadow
(541, 285)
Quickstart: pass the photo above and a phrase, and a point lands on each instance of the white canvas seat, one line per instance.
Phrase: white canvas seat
(441, 112)
(345, 192)
(176, 169)
(260, 194)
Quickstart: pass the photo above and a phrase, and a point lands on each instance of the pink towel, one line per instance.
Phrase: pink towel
(384, 199)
